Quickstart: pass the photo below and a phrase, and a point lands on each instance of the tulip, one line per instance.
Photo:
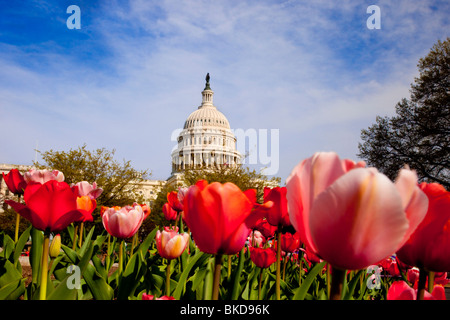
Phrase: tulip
(16, 184)
(219, 217)
(290, 242)
(15, 181)
(256, 239)
(277, 215)
(170, 243)
(55, 246)
(84, 188)
(169, 213)
(175, 203)
(350, 216)
(50, 207)
(86, 193)
(146, 296)
(170, 246)
(265, 228)
(263, 257)
(123, 223)
(42, 176)
(399, 290)
(429, 246)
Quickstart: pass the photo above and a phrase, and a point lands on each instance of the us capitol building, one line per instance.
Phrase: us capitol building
(206, 141)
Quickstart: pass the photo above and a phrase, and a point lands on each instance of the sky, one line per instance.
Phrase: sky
(127, 79)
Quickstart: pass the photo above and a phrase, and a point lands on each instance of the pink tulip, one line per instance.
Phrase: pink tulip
(170, 243)
(350, 216)
(308, 179)
(42, 176)
(124, 222)
(84, 188)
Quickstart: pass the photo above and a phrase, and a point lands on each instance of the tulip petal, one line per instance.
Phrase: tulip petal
(358, 220)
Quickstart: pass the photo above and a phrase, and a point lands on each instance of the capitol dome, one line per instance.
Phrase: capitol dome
(206, 139)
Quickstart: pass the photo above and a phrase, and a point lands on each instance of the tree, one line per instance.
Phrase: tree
(119, 181)
(419, 134)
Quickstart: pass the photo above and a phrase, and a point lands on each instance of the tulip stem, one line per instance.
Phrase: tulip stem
(80, 240)
(16, 232)
(229, 266)
(430, 281)
(260, 280)
(337, 283)
(44, 267)
(278, 276)
(217, 271)
(121, 257)
(168, 278)
(421, 286)
(75, 234)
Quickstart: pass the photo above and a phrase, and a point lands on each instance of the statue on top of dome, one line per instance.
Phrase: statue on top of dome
(207, 82)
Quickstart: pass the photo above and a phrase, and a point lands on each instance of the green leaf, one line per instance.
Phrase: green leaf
(191, 263)
(21, 244)
(301, 292)
(73, 256)
(235, 280)
(8, 247)
(13, 290)
(352, 285)
(8, 272)
(131, 276)
(37, 240)
(97, 284)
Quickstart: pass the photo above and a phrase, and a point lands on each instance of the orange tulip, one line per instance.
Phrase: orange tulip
(219, 216)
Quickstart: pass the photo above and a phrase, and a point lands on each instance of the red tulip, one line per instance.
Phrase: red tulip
(399, 290)
(263, 257)
(277, 214)
(123, 223)
(352, 217)
(146, 296)
(290, 242)
(51, 206)
(15, 181)
(429, 246)
(175, 203)
(265, 228)
(219, 216)
(170, 243)
(169, 213)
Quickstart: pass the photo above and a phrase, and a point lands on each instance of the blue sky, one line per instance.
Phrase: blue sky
(135, 71)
